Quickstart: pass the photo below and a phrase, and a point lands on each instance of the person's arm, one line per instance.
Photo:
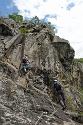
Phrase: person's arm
(65, 86)
(50, 92)
(22, 60)
(62, 87)
(28, 61)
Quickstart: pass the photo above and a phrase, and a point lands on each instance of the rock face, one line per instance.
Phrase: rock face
(23, 97)
(4, 29)
(65, 52)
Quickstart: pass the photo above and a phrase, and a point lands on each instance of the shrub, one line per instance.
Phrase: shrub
(78, 60)
(24, 31)
(16, 17)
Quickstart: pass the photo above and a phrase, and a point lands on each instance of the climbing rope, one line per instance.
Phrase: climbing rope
(55, 110)
(39, 119)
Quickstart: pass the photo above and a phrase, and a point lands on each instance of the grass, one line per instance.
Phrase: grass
(80, 90)
(78, 60)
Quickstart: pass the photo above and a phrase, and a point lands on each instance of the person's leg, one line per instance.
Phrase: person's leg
(28, 66)
(60, 99)
(24, 67)
(63, 98)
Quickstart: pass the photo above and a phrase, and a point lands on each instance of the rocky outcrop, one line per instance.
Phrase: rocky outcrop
(4, 29)
(23, 98)
(65, 52)
(80, 73)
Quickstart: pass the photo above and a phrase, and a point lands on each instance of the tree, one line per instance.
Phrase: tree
(35, 20)
(16, 17)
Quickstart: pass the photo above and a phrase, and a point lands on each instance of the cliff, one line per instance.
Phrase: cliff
(23, 97)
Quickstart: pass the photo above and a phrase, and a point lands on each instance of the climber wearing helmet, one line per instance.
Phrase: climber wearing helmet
(58, 90)
(26, 63)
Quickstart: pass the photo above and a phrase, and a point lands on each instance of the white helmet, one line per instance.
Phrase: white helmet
(25, 57)
(55, 80)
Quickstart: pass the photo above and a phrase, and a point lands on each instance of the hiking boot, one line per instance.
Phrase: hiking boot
(63, 108)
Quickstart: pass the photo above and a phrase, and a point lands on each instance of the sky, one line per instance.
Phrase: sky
(65, 15)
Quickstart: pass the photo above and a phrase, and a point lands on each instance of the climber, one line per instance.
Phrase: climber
(58, 90)
(26, 63)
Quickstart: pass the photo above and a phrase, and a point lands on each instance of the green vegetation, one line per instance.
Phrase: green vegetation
(70, 104)
(16, 17)
(81, 98)
(35, 20)
(80, 90)
(78, 60)
(24, 31)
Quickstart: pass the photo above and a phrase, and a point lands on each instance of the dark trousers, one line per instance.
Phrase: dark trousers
(61, 98)
(25, 66)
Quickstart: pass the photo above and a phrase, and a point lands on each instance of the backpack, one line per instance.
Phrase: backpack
(57, 86)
